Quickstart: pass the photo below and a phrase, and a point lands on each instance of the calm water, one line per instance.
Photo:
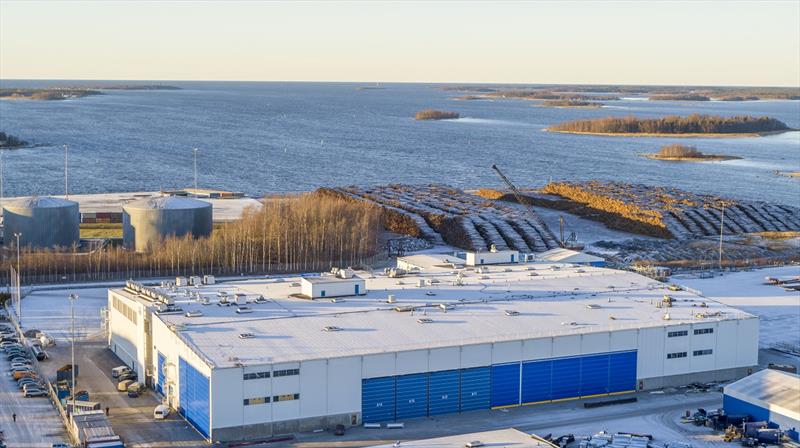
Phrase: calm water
(276, 137)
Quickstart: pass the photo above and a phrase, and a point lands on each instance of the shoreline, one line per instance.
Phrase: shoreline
(694, 135)
(707, 158)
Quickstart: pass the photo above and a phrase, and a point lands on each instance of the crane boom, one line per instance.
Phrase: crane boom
(516, 193)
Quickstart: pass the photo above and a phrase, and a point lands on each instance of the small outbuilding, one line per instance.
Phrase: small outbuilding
(493, 256)
(561, 255)
(332, 286)
(768, 395)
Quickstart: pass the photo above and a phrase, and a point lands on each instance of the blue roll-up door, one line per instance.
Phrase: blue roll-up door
(377, 399)
(160, 379)
(623, 372)
(505, 384)
(475, 388)
(536, 378)
(194, 397)
(594, 374)
(411, 396)
(443, 388)
(566, 378)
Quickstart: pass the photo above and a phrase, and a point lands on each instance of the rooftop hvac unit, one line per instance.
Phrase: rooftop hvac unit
(421, 282)
(181, 281)
(331, 328)
(244, 310)
(512, 313)
(194, 313)
(425, 320)
(240, 298)
(345, 273)
(246, 336)
(390, 299)
(195, 280)
(209, 280)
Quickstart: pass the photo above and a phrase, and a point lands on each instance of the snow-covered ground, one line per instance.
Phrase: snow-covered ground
(48, 310)
(778, 309)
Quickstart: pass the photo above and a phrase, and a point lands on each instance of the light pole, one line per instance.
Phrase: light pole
(721, 224)
(195, 170)
(72, 299)
(66, 176)
(19, 278)
(1, 173)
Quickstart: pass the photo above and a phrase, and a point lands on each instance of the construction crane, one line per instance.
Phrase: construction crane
(571, 242)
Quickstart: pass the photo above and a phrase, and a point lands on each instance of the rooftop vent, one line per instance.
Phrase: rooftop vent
(261, 299)
(331, 328)
(593, 306)
(246, 336)
(474, 444)
(446, 306)
(425, 320)
(244, 310)
(404, 309)
(512, 313)
(532, 274)
(391, 299)
(194, 313)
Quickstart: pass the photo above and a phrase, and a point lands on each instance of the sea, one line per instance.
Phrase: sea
(276, 137)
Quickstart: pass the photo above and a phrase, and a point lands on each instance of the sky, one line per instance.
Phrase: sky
(694, 43)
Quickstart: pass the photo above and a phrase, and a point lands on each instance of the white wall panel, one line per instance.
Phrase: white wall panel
(226, 398)
(344, 385)
(476, 355)
(537, 349)
(566, 345)
(747, 342)
(725, 348)
(624, 340)
(415, 361)
(448, 358)
(506, 352)
(285, 410)
(651, 355)
(595, 343)
(313, 388)
(376, 366)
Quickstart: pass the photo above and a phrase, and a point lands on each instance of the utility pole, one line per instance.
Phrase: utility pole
(66, 176)
(195, 170)
(721, 224)
(2, 151)
(72, 299)
(19, 278)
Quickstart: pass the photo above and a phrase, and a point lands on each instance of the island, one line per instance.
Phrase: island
(65, 93)
(433, 114)
(573, 104)
(8, 141)
(674, 126)
(677, 152)
(738, 98)
(678, 97)
(548, 95)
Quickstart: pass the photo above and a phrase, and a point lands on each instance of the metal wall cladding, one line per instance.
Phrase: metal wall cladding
(377, 399)
(411, 396)
(160, 378)
(144, 228)
(623, 372)
(505, 384)
(537, 381)
(475, 388)
(443, 392)
(566, 378)
(54, 225)
(595, 375)
(194, 399)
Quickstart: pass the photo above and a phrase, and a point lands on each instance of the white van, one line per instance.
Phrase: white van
(119, 370)
(161, 412)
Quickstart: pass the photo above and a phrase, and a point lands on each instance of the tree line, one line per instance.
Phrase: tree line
(673, 124)
(309, 232)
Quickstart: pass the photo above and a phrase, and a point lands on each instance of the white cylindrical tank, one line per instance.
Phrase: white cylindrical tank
(146, 222)
(42, 222)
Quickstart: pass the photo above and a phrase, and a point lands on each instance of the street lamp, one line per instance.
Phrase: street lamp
(195, 170)
(66, 177)
(72, 299)
(19, 277)
(721, 224)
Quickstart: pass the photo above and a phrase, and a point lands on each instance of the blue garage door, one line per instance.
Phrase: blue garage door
(160, 377)
(194, 399)
(536, 378)
(594, 374)
(377, 400)
(443, 392)
(566, 378)
(623, 372)
(411, 395)
(475, 388)
(505, 384)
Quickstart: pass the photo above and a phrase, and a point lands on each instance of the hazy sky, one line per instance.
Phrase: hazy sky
(728, 43)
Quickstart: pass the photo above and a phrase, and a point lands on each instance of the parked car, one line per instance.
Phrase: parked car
(23, 373)
(161, 412)
(23, 381)
(122, 386)
(20, 364)
(127, 376)
(20, 359)
(39, 353)
(35, 392)
(119, 370)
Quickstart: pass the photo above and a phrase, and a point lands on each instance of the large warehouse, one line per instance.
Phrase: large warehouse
(768, 395)
(251, 358)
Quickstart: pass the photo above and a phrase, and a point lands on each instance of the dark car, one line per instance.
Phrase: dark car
(338, 430)
(127, 376)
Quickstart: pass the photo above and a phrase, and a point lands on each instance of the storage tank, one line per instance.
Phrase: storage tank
(42, 222)
(147, 221)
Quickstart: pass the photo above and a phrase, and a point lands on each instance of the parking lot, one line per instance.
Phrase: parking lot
(37, 423)
(131, 418)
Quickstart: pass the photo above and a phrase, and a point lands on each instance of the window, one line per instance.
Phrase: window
(703, 330)
(676, 355)
(285, 397)
(256, 400)
(255, 375)
(702, 352)
(287, 372)
(675, 334)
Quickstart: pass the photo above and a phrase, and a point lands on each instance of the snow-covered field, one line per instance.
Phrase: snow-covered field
(778, 309)
(49, 311)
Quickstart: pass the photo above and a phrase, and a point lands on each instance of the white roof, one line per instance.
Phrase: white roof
(40, 202)
(328, 278)
(166, 202)
(567, 256)
(770, 389)
(552, 302)
(505, 438)
(429, 261)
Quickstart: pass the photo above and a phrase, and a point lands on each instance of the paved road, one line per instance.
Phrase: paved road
(37, 425)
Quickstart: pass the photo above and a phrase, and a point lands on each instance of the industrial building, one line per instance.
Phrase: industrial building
(146, 222)
(768, 395)
(42, 222)
(506, 438)
(417, 343)
(562, 255)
